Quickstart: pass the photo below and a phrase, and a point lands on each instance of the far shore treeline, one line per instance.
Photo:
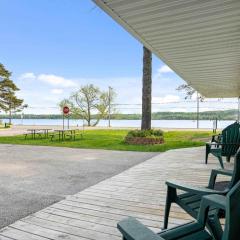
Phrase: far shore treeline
(208, 115)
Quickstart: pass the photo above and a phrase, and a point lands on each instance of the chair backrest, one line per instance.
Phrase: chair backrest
(236, 170)
(231, 134)
(232, 228)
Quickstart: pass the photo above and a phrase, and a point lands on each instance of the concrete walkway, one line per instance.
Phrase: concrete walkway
(34, 177)
(139, 192)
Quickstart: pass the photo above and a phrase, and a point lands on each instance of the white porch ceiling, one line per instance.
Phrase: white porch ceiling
(198, 39)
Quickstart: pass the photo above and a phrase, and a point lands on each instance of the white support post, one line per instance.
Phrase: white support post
(197, 110)
(238, 118)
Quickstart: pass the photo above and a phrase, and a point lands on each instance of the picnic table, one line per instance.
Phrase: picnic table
(62, 133)
(35, 131)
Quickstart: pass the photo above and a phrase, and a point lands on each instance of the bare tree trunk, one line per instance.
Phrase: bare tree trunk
(10, 117)
(89, 122)
(146, 89)
(89, 116)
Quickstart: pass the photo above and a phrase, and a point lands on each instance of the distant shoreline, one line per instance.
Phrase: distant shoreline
(122, 124)
(207, 115)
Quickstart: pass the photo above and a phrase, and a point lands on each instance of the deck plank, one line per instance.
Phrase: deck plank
(139, 192)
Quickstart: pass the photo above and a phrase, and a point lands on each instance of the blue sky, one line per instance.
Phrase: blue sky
(54, 47)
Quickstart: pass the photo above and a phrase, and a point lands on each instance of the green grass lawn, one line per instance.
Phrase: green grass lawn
(114, 140)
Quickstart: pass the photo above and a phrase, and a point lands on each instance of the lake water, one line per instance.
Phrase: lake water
(125, 123)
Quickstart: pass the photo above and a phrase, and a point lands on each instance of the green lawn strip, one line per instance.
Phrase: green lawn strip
(114, 140)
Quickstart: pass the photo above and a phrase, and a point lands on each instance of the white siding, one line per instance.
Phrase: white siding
(198, 39)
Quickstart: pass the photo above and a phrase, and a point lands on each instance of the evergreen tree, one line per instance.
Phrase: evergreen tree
(4, 73)
(9, 102)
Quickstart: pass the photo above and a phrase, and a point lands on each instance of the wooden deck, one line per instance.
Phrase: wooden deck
(139, 192)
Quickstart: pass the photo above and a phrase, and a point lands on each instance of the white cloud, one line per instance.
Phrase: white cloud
(50, 79)
(57, 91)
(28, 76)
(166, 99)
(165, 69)
(50, 89)
(56, 80)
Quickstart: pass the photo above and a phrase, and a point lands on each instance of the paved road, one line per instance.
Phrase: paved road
(33, 177)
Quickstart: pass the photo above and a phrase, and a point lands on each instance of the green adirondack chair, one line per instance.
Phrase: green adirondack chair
(191, 198)
(225, 144)
(132, 229)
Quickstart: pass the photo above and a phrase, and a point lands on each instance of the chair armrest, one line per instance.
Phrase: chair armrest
(191, 189)
(132, 229)
(213, 176)
(213, 201)
(218, 136)
(227, 144)
(180, 231)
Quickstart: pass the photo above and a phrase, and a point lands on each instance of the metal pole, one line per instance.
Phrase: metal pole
(109, 106)
(63, 121)
(22, 118)
(238, 109)
(197, 110)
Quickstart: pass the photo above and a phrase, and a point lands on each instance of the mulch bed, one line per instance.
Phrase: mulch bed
(144, 140)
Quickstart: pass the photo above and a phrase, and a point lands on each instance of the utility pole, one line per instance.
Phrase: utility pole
(22, 115)
(109, 106)
(197, 110)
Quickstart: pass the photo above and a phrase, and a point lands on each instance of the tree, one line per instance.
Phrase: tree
(189, 91)
(4, 73)
(9, 102)
(146, 89)
(189, 94)
(90, 101)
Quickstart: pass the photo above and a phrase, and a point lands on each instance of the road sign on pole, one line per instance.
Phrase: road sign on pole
(66, 110)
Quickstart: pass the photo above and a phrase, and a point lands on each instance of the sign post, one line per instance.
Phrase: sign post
(66, 111)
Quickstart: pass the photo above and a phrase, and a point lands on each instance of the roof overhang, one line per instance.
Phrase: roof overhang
(198, 39)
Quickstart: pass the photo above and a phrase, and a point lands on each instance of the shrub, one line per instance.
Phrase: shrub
(145, 133)
(144, 137)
